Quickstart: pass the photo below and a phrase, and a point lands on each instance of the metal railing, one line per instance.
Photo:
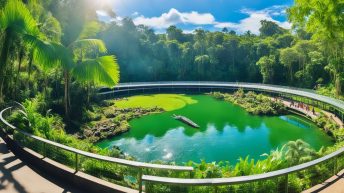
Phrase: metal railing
(215, 182)
(134, 164)
(308, 93)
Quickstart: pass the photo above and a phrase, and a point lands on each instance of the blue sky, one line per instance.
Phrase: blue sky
(238, 15)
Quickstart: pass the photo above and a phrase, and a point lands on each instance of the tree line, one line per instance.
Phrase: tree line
(276, 56)
(48, 47)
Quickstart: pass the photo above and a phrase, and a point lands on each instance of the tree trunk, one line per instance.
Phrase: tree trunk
(29, 69)
(20, 59)
(1, 90)
(66, 95)
(3, 62)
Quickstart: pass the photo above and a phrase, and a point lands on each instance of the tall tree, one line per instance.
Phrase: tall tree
(270, 28)
(16, 22)
(288, 57)
(86, 64)
(325, 19)
(267, 64)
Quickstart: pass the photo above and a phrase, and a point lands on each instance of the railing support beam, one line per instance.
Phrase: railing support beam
(76, 162)
(140, 180)
(335, 166)
(286, 183)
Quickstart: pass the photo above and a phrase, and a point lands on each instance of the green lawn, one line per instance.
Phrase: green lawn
(168, 102)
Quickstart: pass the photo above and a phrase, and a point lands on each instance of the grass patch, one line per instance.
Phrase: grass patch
(168, 102)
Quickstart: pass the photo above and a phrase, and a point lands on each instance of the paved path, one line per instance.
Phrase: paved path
(16, 177)
(334, 118)
(310, 113)
(333, 185)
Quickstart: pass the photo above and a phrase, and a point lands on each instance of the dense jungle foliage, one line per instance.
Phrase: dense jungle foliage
(50, 126)
(256, 104)
(305, 56)
(53, 59)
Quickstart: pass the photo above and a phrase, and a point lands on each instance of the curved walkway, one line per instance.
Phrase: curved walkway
(207, 84)
(17, 177)
(333, 185)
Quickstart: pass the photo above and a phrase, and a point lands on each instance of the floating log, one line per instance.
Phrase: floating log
(185, 120)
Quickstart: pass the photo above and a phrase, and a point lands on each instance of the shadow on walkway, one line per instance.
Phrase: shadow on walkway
(6, 173)
(10, 163)
(328, 184)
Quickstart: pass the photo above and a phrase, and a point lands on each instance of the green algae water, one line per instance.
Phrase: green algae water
(226, 133)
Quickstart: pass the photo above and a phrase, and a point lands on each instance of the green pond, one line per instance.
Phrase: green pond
(226, 133)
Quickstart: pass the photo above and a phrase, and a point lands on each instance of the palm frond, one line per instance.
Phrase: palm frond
(102, 71)
(49, 54)
(51, 28)
(16, 16)
(97, 44)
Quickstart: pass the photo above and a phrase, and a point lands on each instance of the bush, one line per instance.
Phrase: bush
(253, 103)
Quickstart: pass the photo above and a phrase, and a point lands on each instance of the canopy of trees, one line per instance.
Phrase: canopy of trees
(63, 52)
(276, 56)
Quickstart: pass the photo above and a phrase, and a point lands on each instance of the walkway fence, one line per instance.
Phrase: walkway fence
(139, 174)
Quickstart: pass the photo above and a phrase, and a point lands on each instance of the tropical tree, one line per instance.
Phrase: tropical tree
(267, 64)
(270, 28)
(85, 61)
(202, 62)
(298, 152)
(323, 18)
(288, 57)
(17, 23)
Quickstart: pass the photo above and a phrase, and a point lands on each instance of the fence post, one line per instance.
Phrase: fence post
(140, 180)
(44, 150)
(335, 165)
(215, 189)
(286, 183)
(76, 162)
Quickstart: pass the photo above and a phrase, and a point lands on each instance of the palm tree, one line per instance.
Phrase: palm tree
(16, 23)
(80, 58)
(82, 61)
(298, 152)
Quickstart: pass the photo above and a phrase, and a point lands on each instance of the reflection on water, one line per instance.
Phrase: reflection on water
(296, 121)
(226, 133)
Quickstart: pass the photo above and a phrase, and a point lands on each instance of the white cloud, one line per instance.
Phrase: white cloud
(102, 13)
(135, 14)
(105, 17)
(252, 22)
(174, 17)
(188, 31)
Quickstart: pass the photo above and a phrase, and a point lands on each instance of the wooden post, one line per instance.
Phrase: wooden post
(44, 150)
(215, 189)
(334, 165)
(286, 183)
(76, 162)
(140, 180)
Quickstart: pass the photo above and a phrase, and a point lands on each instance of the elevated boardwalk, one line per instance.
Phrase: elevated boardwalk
(17, 177)
(21, 183)
(333, 185)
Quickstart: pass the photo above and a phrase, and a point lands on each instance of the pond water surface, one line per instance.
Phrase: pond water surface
(226, 133)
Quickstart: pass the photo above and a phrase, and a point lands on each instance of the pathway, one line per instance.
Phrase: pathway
(333, 185)
(16, 177)
(310, 113)
(336, 183)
